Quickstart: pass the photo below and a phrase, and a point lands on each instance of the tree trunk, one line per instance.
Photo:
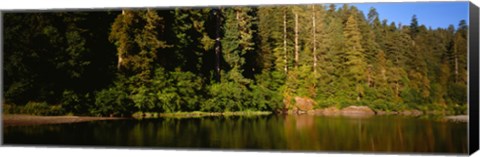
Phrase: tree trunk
(217, 43)
(285, 40)
(397, 89)
(120, 60)
(120, 57)
(384, 76)
(314, 41)
(296, 40)
(456, 67)
(369, 77)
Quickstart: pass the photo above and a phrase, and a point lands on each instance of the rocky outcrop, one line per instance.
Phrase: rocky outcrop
(357, 110)
(381, 112)
(304, 104)
(457, 118)
(411, 113)
(354, 111)
(330, 111)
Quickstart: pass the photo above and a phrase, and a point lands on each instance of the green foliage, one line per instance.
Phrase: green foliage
(10, 109)
(176, 91)
(238, 36)
(191, 38)
(227, 96)
(139, 39)
(42, 108)
(14, 92)
(458, 93)
(302, 82)
(162, 61)
(383, 105)
(354, 59)
(414, 26)
(460, 109)
(34, 108)
(266, 94)
(77, 103)
(112, 101)
(188, 86)
(166, 92)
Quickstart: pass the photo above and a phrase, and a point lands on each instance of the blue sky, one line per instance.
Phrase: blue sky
(431, 14)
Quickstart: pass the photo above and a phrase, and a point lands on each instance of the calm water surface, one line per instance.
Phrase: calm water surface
(274, 132)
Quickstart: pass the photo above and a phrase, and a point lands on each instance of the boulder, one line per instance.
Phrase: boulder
(381, 112)
(357, 110)
(411, 113)
(327, 111)
(304, 104)
(292, 112)
(286, 103)
(457, 118)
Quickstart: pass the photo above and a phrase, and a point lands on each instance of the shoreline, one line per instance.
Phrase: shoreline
(198, 114)
(27, 120)
(457, 118)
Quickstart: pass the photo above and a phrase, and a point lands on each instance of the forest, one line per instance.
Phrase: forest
(227, 59)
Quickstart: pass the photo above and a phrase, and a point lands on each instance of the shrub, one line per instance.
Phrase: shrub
(266, 93)
(385, 105)
(458, 93)
(185, 89)
(226, 96)
(112, 101)
(169, 92)
(10, 109)
(460, 109)
(325, 103)
(163, 92)
(260, 97)
(77, 103)
(42, 108)
(17, 92)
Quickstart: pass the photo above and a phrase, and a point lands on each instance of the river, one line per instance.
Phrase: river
(379, 134)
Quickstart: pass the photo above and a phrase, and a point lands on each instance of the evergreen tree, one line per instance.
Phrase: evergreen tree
(414, 27)
(192, 40)
(138, 36)
(354, 58)
(231, 59)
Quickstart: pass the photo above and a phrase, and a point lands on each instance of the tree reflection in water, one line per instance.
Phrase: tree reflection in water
(274, 132)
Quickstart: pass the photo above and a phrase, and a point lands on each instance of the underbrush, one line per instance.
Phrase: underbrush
(34, 108)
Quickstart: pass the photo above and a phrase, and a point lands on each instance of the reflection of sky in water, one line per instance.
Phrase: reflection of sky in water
(302, 132)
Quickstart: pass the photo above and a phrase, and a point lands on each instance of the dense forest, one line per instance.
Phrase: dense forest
(228, 59)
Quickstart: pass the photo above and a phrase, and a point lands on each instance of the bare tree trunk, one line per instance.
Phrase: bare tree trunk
(384, 76)
(456, 67)
(396, 89)
(120, 57)
(285, 40)
(314, 41)
(296, 40)
(217, 44)
(369, 77)
(120, 60)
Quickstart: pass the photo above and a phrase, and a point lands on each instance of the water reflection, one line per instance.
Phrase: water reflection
(275, 132)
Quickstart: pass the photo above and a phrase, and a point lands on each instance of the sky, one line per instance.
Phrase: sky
(431, 14)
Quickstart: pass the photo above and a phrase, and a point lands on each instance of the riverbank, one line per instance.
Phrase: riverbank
(365, 111)
(457, 118)
(198, 114)
(355, 111)
(23, 120)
